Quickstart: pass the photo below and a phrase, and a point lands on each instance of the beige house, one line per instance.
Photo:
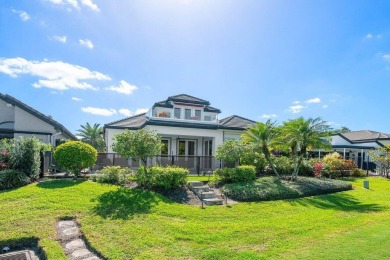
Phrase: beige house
(20, 120)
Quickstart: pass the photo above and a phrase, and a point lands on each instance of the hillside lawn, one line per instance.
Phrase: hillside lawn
(123, 223)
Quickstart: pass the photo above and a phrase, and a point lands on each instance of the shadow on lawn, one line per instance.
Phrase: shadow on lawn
(23, 243)
(338, 201)
(124, 203)
(58, 184)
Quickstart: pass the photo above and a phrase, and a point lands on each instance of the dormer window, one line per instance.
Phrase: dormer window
(187, 113)
(177, 113)
(198, 114)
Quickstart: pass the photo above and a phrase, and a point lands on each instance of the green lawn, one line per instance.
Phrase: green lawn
(122, 223)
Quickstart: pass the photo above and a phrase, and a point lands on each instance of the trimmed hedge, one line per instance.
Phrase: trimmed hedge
(111, 174)
(162, 178)
(75, 156)
(243, 173)
(272, 188)
(11, 179)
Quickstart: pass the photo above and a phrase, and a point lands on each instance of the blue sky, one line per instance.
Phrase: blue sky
(98, 61)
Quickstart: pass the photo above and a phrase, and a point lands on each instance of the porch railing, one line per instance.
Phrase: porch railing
(195, 164)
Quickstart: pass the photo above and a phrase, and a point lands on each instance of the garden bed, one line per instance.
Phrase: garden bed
(272, 188)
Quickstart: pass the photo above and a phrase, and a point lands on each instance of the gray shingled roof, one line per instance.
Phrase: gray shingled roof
(136, 121)
(188, 98)
(11, 100)
(364, 135)
(235, 121)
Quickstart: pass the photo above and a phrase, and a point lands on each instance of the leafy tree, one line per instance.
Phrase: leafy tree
(302, 134)
(230, 151)
(26, 157)
(92, 135)
(382, 157)
(75, 156)
(263, 136)
(138, 145)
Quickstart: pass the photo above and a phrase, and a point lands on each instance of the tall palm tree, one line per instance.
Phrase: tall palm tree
(92, 135)
(302, 134)
(263, 136)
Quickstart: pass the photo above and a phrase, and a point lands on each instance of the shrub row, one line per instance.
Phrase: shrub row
(112, 174)
(243, 173)
(11, 179)
(271, 188)
(165, 178)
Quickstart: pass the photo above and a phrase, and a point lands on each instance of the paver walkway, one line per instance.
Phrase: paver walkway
(72, 241)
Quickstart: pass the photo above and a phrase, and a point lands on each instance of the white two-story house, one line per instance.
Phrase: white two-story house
(189, 127)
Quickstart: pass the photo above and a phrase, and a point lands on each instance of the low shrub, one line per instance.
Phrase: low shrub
(162, 178)
(243, 173)
(283, 165)
(272, 188)
(112, 174)
(11, 179)
(356, 172)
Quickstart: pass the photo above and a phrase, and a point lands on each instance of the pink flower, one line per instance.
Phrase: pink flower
(3, 152)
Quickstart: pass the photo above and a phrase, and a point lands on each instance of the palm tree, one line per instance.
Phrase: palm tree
(263, 136)
(300, 135)
(92, 135)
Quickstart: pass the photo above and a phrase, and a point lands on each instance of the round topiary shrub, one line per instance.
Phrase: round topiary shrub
(75, 156)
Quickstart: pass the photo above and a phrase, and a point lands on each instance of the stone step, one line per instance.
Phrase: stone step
(195, 184)
(200, 189)
(207, 195)
(214, 201)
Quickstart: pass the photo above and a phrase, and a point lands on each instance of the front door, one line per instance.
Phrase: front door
(208, 153)
(187, 151)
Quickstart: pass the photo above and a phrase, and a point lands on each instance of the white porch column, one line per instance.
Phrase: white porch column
(344, 153)
(361, 161)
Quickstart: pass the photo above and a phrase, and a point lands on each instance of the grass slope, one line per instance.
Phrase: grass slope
(123, 224)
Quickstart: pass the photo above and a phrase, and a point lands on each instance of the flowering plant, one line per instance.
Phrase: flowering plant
(317, 169)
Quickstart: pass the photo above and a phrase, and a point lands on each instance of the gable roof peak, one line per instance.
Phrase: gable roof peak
(188, 99)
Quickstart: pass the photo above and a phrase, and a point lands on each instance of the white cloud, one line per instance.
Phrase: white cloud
(72, 3)
(77, 99)
(91, 5)
(124, 88)
(296, 102)
(267, 116)
(86, 43)
(125, 111)
(296, 109)
(371, 36)
(52, 74)
(141, 111)
(24, 16)
(58, 38)
(386, 57)
(99, 111)
(325, 106)
(313, 100)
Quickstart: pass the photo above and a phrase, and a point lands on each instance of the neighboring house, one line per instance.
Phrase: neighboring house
(355, 145)
(20, 120)
(189, 128)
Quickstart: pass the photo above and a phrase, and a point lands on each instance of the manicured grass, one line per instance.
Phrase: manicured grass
(129, 223)
(272, 188)
(200, 178)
